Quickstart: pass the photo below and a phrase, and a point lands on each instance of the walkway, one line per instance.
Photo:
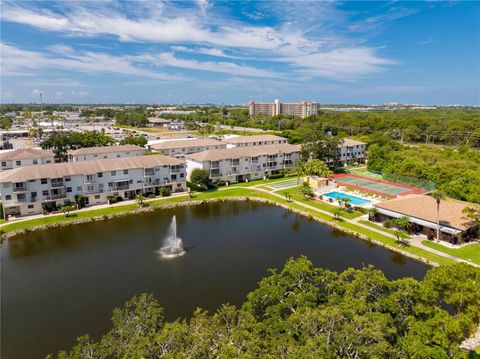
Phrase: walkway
(416, 242)
(92, 208)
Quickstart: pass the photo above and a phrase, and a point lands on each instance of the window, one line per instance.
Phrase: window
(45, 192)
(97, 196)
(69, 189)
(100, 185)
(4, 164)
(110, 184)
(79, 188)
(105, 156)
(6, 185)
(8, 197)
(95, 155)
(35, 162)
(33, 194)
(113, 173)
(125, 172)
(118, 155)
(181, 175)
(48, 161)
(19, 163)
(43, 181)
(179, 185)
(100, 174)
(30, 206)
(67, 179)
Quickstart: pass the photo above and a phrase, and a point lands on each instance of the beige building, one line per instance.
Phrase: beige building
(300, 109)
(33, 189)
(105, 152)
(422, 211)
(244, 163)
(180, 148)
(255, 140)
(25, 157)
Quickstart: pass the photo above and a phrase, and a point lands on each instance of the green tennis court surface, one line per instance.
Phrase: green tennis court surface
(365, 183)
(284, 184)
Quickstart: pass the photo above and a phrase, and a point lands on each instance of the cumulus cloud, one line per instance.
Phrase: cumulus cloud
(291, 42)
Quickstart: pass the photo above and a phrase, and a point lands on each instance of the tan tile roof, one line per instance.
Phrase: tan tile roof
(56, 170)
(349, 142)
(25, 154)
(238, 152)
(186, 143)
(254, 138)
(158, 120)
(105, 149)
(425, 207)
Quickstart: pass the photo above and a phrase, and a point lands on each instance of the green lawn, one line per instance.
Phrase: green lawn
(262, 182)
(227, 192)
(391, 231)
(470, 252)
(318, 204)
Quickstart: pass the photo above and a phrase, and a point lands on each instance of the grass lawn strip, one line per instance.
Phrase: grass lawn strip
(381, 228)
(234, 192)
(470, 252)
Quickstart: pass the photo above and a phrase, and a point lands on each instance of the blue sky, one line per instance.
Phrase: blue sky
(235, 52)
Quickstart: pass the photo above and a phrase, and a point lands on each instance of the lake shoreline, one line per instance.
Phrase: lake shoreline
(18, 232)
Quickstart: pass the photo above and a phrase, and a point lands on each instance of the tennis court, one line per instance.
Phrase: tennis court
(375, 186)
(283, 184)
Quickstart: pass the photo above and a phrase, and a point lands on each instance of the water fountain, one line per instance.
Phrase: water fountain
(172, 245)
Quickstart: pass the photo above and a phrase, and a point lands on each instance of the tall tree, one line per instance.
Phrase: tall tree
(439, 196)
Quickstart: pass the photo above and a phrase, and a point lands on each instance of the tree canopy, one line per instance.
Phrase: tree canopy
(60, 143)
(307, 312)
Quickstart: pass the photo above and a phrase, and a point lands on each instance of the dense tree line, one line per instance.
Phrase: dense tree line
(60, 143)
(307, 312)
(455, 171)
(443, 126)
(131, 119)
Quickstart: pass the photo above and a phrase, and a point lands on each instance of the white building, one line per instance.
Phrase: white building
(105, 152)
(244, 163)
(25, 157)
(33, 189)
(255, 140)
(180, 148)
(351, 151)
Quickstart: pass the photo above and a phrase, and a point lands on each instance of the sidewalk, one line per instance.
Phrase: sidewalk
(92, 208)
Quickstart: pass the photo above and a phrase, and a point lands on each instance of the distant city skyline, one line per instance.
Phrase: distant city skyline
(236, 52)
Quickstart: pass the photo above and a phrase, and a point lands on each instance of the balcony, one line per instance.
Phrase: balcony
(149, 173)
(20, 189)
(55, 196)
(89, 181)
(272, 164)
(215, 174)
(119, 187)
(94, 191)
(175, 170)
(56, 184)
(255, 168)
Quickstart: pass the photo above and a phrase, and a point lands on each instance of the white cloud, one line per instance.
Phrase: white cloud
(37, 93)
(17, 61)
(291, 42)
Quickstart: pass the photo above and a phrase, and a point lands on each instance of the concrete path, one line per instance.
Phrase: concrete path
(416, 242)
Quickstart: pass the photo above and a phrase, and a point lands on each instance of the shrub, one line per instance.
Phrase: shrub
(112, 199)
(165, 191)
(276, 176)
(80, 200)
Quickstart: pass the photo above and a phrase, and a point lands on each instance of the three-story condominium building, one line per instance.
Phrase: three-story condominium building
(105, 152)
(33, 189)
(180, 148)
(351, 151)
(255, 140)
(25, 157)
(244, 163)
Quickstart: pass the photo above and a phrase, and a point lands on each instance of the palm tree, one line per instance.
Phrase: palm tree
(372, 214)
(299, 170)
(403, 224)
(346, 201)
(140, 199)
(439, 196)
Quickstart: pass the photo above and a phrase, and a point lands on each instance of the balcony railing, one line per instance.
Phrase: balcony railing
(149, 173)
(55, 196)
(215, 174)
(119, 187)
(94, 191)
(175, 170)
(20, 189)
(56, 184)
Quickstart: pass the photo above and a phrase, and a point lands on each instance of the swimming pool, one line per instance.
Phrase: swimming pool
(355, 201)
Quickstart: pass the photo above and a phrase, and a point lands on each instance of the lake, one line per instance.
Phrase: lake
(62, 283)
